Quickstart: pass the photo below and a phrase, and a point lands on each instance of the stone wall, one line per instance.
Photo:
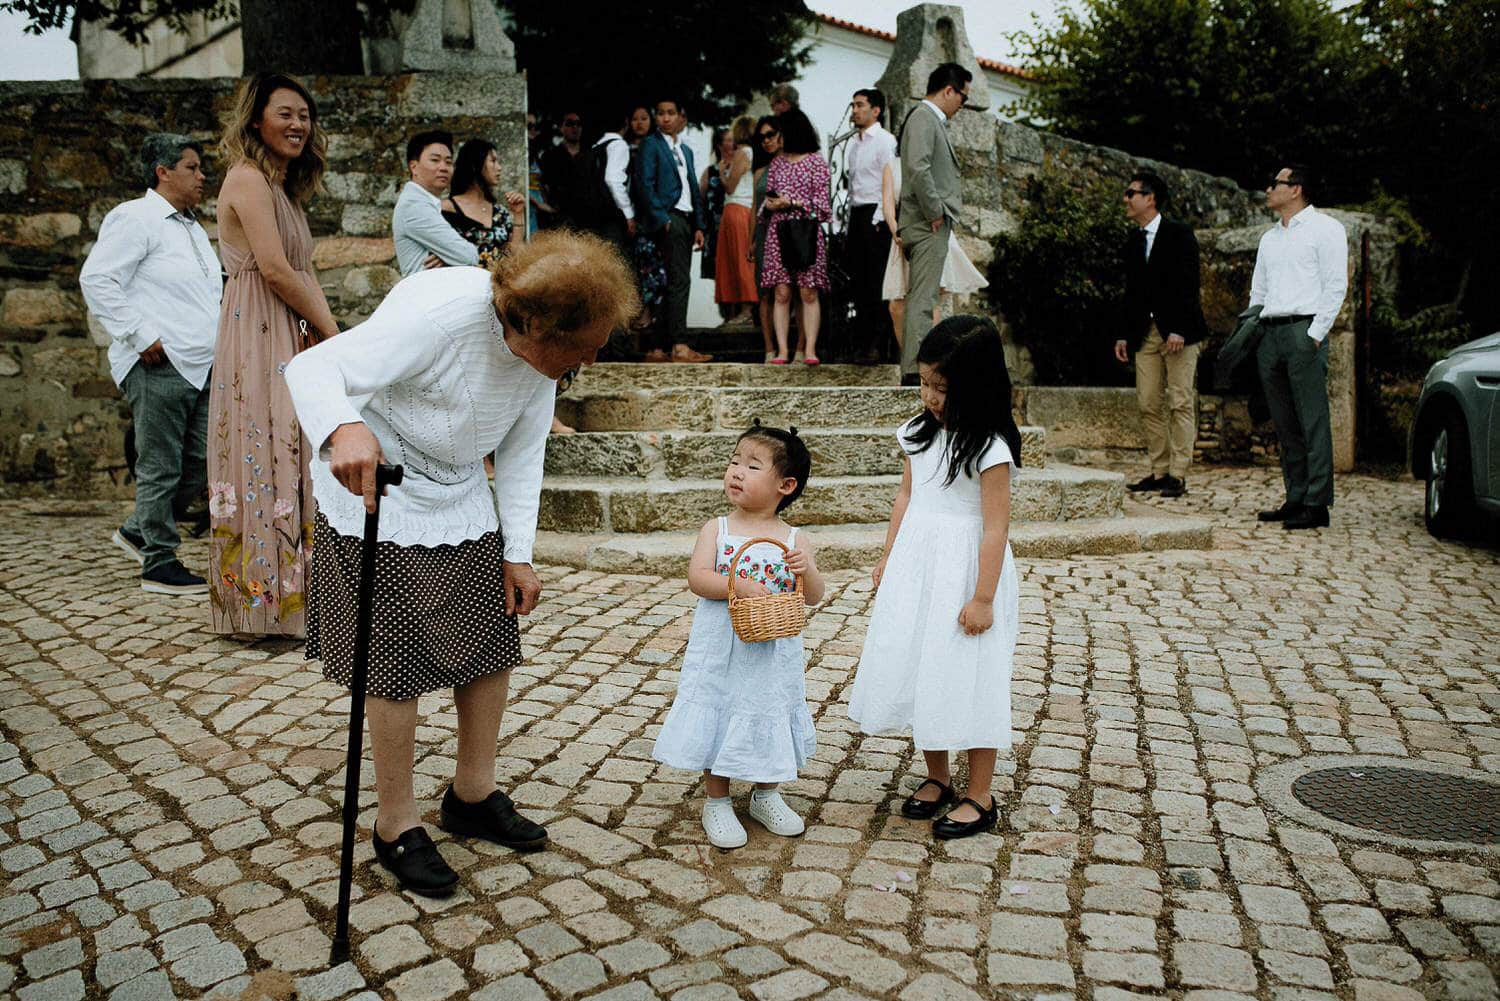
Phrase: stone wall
(68, 154)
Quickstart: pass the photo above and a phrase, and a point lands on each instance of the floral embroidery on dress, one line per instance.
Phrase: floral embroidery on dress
(773, 573)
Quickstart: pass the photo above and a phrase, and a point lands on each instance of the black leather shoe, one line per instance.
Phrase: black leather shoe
(1173, 487)
(495, 820)
(1281, 513)
(1152, 482)
(921, 809)
(1312, 516)
(415, 862)
(947, 828)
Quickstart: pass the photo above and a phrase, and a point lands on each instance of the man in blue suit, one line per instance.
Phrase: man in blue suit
(673, 216)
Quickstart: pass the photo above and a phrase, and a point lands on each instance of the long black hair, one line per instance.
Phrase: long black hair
(468, 169)
(967, 353)
(758, 156)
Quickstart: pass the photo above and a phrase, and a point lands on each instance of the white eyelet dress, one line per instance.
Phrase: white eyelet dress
(918, 670)
(741, 708)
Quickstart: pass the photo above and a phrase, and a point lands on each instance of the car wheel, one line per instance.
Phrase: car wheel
(1449, 508)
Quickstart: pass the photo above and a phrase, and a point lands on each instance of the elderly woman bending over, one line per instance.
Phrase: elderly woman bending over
(456, 364)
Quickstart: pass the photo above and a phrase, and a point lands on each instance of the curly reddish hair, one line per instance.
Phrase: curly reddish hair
(560, 282)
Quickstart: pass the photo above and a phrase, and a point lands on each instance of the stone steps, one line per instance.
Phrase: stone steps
(636, 505)
(678, 455)
(1139, 528)
(617, 376)
(724, 408)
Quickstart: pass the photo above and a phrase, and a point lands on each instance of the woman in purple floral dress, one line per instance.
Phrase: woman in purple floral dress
(796, 187)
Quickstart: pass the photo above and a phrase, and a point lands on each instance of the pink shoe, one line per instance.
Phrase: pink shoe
(811, 360)
(778, 361)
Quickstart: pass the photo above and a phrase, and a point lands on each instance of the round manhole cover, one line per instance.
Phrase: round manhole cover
(1407, 802)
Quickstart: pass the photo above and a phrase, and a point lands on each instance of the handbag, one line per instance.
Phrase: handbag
(798, 239)
(766, 616)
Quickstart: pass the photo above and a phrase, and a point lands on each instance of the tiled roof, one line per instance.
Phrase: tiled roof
(990, 64)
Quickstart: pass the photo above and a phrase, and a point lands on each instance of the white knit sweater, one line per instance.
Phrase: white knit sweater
(429, 373)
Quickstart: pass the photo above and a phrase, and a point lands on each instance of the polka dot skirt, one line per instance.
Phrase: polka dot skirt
(439, 613)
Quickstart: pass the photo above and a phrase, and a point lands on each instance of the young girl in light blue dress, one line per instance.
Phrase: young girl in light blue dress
(741, 708)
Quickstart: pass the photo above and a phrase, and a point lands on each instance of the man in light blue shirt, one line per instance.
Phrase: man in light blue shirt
(423, 237)
(153, 282)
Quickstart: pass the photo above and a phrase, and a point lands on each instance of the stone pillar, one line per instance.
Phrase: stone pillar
(445, 36)
(926, 35)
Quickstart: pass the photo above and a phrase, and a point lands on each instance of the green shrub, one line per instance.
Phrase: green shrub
(1059, 278)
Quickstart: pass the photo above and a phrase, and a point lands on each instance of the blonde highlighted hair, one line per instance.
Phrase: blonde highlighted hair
(241, 142)
(560, 282)
(743, 131)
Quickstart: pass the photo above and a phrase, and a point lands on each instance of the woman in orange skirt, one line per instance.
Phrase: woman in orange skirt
(734, 273)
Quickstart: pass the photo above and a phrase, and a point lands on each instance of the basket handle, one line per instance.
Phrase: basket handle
(797, 578)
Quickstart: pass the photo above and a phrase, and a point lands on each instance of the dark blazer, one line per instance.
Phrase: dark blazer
(1165, 287)
(661, 187)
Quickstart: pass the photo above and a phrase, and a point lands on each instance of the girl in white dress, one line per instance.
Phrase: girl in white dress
(937, 655)
(741, 708)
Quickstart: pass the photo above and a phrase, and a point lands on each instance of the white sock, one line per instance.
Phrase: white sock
(763, 793)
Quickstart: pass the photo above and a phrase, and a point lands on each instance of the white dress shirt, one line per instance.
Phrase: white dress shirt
(1302, 269)
(617, 171)
(418, 229)
(869, 151)
(1151, 228)
(685, 203)
(430, 375)
(153, 276)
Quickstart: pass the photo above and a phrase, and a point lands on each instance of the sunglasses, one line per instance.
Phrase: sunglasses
(1133, 192)
(768, 135)
(571, 121)
(1278, 181)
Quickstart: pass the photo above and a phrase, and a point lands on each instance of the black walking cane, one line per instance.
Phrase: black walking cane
(384, 476)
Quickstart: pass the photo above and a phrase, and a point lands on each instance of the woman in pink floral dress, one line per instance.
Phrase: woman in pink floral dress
(796, 187)
(260, 494)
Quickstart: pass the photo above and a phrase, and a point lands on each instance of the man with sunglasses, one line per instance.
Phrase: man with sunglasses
(1164, 328)
(930, 202)
(561, 168)
(1301, 277)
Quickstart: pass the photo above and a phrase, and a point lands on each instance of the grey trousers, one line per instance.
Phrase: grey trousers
(171, 442)
(1294, 374)
(925, 253)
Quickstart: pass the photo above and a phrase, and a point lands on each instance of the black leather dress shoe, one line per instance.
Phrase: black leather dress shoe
(1312, 516)
(416, 863)
(948, 828)
(922, 809)
(1281, 513)
(495, 820)
(1152, 482)
(1173, 487)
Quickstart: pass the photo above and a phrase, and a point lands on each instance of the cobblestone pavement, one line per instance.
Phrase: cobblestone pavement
(169, 819)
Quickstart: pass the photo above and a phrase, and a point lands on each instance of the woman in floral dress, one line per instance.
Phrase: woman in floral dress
(796, 187)
(261, 500)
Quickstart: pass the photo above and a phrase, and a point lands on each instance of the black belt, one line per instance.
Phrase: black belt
(685, 215)
(1285, 321)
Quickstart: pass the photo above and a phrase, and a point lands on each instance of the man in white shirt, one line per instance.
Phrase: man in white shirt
(1301, 277)
(604, 190)
(154, 284)
(422, 236)
(869, 237)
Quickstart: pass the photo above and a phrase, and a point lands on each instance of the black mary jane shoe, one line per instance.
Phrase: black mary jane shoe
(921, 809)
(947, 828)
(495, 819)
(416, 863)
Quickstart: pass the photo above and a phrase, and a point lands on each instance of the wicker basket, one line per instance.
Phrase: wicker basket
(766, 616)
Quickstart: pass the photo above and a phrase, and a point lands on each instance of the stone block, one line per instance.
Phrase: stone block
(816, 407)
(369, 282)
(1085, 416)
(38, 232)
(366, 220)
(35, 307)
(344, 251)
(12, 176)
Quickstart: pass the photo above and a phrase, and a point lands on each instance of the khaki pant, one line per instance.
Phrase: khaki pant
(1166, 391)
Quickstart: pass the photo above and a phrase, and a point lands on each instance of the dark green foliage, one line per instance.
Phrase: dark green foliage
(593, 58)
(127, 17)
(1059, 279)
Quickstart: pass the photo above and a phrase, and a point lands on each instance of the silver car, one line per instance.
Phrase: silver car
(1455, 440)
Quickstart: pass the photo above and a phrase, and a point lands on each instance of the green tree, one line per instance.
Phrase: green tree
(593, 61)
(1232, 87)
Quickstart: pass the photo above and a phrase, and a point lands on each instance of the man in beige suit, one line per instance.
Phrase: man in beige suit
(930, 201)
